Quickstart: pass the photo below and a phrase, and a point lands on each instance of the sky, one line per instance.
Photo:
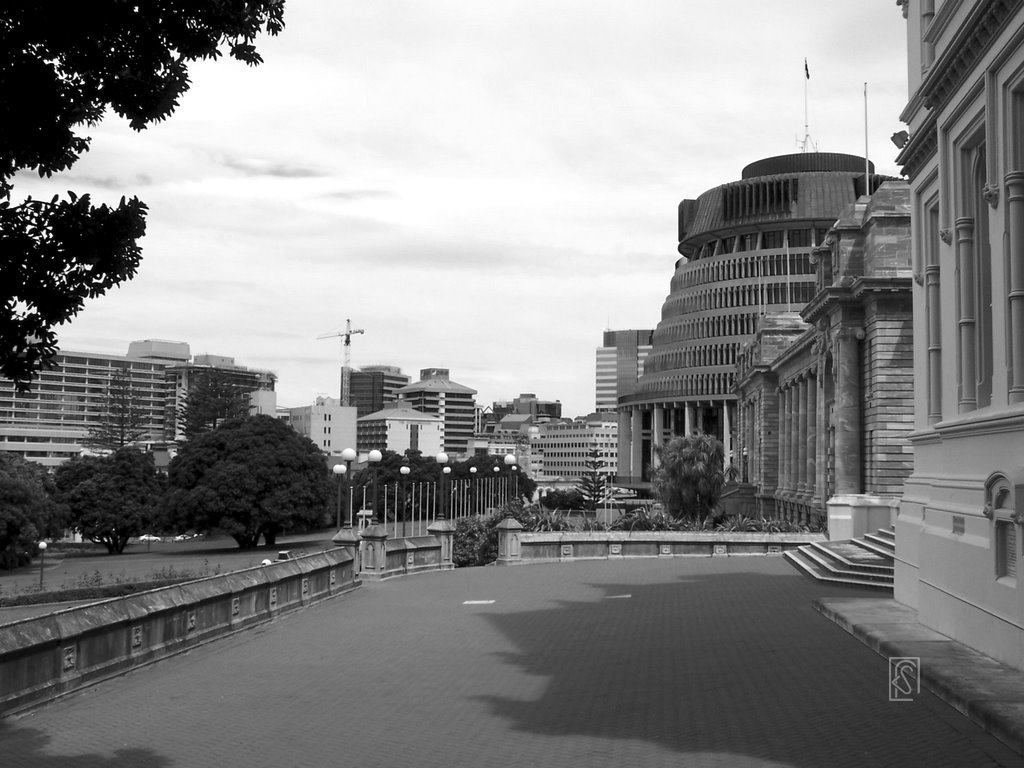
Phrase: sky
(484, 187)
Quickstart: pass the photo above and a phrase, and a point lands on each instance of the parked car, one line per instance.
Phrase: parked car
(149, 537)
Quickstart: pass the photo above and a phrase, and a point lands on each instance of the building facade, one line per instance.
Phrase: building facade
(959, 529)
(563, 450)
(327, 423)
(400, 429)
(375, 387)
(746, 251)
(435, 393)
(825, 398)
(620, 364)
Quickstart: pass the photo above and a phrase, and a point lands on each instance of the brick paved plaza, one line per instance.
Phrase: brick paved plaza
(683, 662)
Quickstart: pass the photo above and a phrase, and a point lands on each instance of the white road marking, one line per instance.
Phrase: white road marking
(477, 602)
(617, 597)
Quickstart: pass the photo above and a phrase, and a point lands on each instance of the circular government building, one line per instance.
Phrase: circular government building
(746, 253)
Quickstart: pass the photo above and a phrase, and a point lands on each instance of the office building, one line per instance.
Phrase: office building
(620, 364)
(435, 393)
(400, 429)
(327, 423)
(375, 387)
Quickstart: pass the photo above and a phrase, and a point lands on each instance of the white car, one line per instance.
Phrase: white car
(149, 537)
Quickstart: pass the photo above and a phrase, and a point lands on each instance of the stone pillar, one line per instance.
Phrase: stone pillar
(636, 445)
(348, 539)
(968, 399)
(688, 418)
(657, 434)
(445, 531)
(373, 551)
(782, 480)
(624, 467)
(847, 409)
(509, 543)
(802, 387)
(1015, 324)
(812, 439)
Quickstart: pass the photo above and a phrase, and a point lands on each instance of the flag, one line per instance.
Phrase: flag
(807, 72)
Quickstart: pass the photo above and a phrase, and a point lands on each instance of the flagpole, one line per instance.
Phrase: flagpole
(867, 164)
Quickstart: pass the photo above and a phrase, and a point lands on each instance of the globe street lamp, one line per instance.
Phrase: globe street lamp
(442, 459)
(339, 471)
(42, 558)
(495, 496)
(510, 462)
(472, 494)
(348, 456)
(374, 457)
(403, 472)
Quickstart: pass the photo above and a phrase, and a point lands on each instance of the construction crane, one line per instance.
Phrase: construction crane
(346, 346)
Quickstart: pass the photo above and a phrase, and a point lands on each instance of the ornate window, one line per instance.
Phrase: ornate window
(1006, 521)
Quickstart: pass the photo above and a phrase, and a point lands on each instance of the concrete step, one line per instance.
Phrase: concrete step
(854, 557)
(827, 562)
(887, 533)
(872, 545)
(880, 541)
(810, 566)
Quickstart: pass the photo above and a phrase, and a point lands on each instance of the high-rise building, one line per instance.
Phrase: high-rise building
(746, 251)
(400, 429)
(563, 449)
(49, 423)
(327, 423)
(620, 364)
(435, 393)
(959, 528)
(375, 387)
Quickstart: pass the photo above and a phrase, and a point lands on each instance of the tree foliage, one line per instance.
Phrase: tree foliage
(212, 398)
(27, 509)
(567, 500)
(690, 477)
(593, 483)
(253, 477)
(111, 498)
(60, 70)
(123, 420)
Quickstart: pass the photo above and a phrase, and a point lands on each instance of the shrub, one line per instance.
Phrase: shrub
(476, 542)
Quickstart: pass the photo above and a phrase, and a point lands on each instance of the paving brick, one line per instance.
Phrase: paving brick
(707, 662)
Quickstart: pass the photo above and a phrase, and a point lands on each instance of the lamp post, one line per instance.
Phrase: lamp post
(442, 459)
(495, 497)
(403, 473)
(42, 559)
(339, 471)
(472, 495)
(348, 456)
(510, 462)
(373, 458)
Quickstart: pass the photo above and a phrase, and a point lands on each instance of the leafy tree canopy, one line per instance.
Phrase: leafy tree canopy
(250, 477)
(690, 477)
(60, 69)
(567, 500)
(27, 510)
(111, 498)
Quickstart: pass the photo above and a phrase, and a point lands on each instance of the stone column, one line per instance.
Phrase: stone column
(803, 385)
(1015, 324)
(794, 438)
(509, 544)
(636, 430)
(688, 420)
(444, 530)
(847, 409)
(783, 439)
(623, 468)
(657, 434)
(968, 399)
(812, 439)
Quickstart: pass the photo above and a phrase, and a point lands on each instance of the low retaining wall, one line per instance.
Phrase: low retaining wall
(45, 657)
(383, 558)
(517, 548)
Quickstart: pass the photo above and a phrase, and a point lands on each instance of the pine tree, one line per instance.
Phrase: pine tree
(123, 421)
(593, 483)
(211, 400)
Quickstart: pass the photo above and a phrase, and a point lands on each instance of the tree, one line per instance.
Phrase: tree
(27, 509)
(690, 477)
(123, 420)
(212, 398)
(59, 72)
(249, 477)
(567, 500)
(592, 483)
(111, 498)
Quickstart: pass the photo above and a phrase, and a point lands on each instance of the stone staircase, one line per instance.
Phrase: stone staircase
(863, 562)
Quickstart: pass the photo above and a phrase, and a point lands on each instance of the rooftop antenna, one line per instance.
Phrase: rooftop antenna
(346, 346)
